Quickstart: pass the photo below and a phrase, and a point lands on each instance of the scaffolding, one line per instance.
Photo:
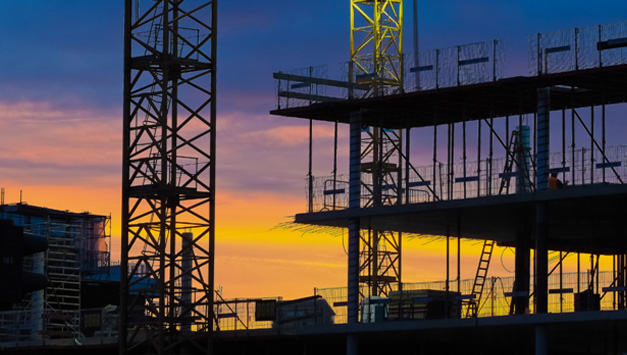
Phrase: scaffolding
(496, 146)
(78, 248)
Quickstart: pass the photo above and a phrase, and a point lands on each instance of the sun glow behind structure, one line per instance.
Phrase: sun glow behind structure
(61, 142)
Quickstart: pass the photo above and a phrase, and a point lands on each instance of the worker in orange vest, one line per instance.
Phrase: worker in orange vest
(554, 182)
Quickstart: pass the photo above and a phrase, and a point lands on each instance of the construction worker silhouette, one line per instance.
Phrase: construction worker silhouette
(554, 182)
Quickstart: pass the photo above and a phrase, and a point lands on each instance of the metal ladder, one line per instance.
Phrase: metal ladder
(488, 246)
(512, 150)
(480, 278)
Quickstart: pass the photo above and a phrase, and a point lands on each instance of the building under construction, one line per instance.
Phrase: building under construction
(74, 264)
(441, 143)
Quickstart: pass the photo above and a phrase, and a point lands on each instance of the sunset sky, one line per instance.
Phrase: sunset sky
(61, 119)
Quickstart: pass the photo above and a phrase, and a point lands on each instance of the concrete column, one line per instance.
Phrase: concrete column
(354, 228)
(353, 271)
(523, 183)
(352, 347)
(354, 194)
(542, 148)
(541, 259)
(542, 156)
(523, 258)
(542, 344)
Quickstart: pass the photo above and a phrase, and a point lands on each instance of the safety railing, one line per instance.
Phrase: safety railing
(578, 48)
(475, 179)
(497, 294)
(244, 313)
(438, 68)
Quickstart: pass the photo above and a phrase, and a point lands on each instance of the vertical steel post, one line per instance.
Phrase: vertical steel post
(407, 152)
(592, 144)
(435, 157)
(561, 283)
(212, 174)
(478, 158)
(490, 156)
(576, 48)
(598, 272)
(603, 133)
(615, 276)
(457, 64)
(459, 254)
(354, 225)
(416, 48)
(309, 172)
(126, 108)
(448, 267)
(539, 53)
(542, 177)
(437, 68)
(578, 272)
(542, 144)
(564, 145)
(598, 50)
(334, 164)
(572, 134)
(452, 162)
(535, 144)
(494, 45)
(507, 133)
(464, 154)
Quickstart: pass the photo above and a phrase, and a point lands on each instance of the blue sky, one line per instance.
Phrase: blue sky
(71, 51)
(61, 90)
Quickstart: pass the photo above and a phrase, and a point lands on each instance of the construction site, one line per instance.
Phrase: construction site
(441, 145)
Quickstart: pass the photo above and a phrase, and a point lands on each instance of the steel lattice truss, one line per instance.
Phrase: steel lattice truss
(376, 62)
(380, 261)
(377, 45)
(169, 174)
(381, 178)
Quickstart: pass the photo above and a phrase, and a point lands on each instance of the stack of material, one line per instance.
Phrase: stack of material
(303, 312)
(424, 304)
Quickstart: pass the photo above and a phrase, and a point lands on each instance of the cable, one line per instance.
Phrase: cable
(503, 264)
(343, 246)
(503, 288)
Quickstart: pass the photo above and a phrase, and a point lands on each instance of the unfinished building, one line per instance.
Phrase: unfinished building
(76, 262)
(441, 143)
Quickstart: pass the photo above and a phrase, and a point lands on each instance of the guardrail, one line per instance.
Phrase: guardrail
(474, 179)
